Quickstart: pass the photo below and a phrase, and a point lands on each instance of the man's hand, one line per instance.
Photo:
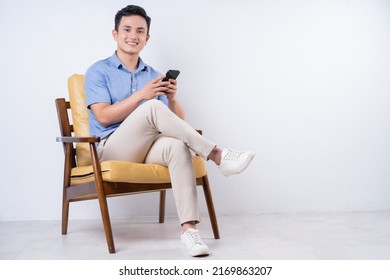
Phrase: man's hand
(108, 114)
(154, 89)
(171, 92)
(174, 104)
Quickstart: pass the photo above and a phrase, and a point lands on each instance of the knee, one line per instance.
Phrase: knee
(154, 103)
(178, 149)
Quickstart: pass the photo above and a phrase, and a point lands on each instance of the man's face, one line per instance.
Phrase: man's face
(131, 36)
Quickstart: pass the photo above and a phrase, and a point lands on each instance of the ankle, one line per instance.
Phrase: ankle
(188, 225)
(216, 155)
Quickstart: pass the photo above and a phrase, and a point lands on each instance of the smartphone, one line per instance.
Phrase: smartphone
(171, 74)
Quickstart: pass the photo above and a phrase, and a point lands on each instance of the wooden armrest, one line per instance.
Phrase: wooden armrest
(68, 139)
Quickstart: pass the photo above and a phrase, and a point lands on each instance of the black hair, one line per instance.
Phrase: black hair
(132, 10)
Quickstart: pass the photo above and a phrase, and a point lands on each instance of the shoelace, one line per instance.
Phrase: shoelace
(232, 155)
(194, 236)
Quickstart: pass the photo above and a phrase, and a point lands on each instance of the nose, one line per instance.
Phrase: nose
(133, 34)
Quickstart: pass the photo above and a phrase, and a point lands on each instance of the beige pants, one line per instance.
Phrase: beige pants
(154, 134)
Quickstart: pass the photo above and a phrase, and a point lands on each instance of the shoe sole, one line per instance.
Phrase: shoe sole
(199, 253)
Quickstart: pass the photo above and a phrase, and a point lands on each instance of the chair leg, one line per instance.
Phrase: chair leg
(210, 207)
(66, 183)
(107, 223)
(162, 207)
(102, 199)
(65, 216)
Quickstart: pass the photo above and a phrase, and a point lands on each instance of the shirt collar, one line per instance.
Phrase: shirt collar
(118, 64)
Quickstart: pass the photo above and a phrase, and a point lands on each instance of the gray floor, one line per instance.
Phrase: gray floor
(308, 236)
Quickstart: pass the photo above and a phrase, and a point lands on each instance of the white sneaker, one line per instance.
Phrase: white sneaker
(193, 244)
(234, 162)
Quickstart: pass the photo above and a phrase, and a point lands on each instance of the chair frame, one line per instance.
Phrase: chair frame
(100, 189)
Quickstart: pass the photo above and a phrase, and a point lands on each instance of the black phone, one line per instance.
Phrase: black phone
(171, 74)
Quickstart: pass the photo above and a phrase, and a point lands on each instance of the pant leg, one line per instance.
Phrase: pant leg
(133, 138)
(176, 155)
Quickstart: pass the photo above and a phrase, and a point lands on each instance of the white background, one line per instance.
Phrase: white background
(304, 84)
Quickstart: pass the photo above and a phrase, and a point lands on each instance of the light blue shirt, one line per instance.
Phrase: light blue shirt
(109, 81)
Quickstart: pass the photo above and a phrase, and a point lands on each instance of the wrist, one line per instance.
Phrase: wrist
(137, 96)
(171, 97)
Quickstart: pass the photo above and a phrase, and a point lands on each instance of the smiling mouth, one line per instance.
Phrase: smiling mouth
(131, 43)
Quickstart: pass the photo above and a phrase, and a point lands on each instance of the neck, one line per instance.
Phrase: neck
(128, 60)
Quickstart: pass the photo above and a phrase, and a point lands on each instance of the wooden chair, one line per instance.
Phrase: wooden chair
(86, 178)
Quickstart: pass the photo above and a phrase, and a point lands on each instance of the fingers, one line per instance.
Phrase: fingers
(157, 87)
(172, 86)
(158, 79)
(159, 83)
(172, 81)
(162, 89)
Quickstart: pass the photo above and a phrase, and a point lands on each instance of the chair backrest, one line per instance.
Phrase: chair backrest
(80, 117)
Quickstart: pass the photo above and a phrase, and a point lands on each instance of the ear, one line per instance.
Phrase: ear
(115, 34)
(147, 38)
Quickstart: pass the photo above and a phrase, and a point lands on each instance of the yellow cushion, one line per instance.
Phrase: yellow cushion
(80, 117)
(129, 172)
